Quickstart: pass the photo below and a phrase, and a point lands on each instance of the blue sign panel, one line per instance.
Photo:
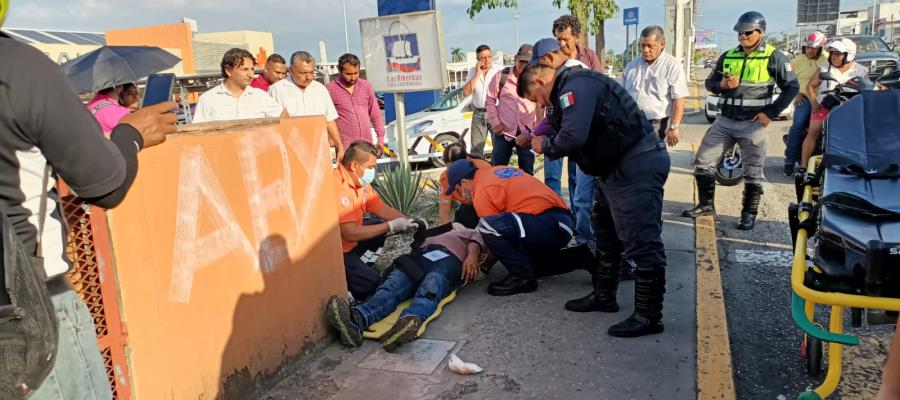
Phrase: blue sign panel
(630, 15)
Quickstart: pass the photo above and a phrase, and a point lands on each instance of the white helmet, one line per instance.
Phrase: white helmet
(815, 40)
(843, 45)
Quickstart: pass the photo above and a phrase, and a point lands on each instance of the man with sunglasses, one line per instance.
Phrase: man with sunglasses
(744, 78)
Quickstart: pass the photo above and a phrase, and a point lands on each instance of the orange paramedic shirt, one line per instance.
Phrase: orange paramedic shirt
(354, 202)
(478, 163)
(501, 189)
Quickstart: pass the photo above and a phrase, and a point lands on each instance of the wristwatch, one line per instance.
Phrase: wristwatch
(673, 127)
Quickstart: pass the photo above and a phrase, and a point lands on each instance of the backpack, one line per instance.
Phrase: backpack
(504, 76)
(29, 330)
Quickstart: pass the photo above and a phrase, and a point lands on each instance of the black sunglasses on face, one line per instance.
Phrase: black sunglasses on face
(745, 33)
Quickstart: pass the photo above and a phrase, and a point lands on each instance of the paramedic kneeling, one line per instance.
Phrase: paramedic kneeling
(523, 222)
(362, 238)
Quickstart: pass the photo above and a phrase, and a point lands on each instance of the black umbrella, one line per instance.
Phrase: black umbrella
(109, 66)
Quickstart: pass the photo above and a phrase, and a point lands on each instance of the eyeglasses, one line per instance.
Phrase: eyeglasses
(745, 33)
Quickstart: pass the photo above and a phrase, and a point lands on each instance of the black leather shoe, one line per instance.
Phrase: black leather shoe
(513, 285)
(593, 302)
(636, 325)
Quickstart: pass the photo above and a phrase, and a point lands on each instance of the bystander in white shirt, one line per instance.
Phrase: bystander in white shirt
(480, 91)
(654, 86)
(217, 104)
(314, 100)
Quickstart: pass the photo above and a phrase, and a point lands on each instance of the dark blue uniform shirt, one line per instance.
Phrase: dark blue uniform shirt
(595, 119)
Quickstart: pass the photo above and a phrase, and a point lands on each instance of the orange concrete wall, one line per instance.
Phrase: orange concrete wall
(173, 36)
(226, 248)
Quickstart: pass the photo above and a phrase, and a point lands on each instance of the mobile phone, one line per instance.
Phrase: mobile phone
(727, 74)
(158, 89)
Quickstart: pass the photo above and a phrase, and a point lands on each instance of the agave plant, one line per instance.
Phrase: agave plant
(399, 187)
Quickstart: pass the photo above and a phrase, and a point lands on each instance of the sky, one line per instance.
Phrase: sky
(301, 24)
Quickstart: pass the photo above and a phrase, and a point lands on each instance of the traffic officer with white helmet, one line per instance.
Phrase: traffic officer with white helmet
(745, 78)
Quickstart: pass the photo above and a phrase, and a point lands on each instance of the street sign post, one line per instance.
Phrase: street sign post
(629, 17)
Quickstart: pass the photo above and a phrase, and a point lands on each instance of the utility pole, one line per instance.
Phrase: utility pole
(517, 26)
(346, 31)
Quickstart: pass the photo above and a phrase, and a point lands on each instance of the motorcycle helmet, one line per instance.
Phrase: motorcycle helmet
(843, 45)
(4, 10)
(751, 21)
(815, 39)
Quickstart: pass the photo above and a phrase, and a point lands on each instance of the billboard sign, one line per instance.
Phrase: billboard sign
(705, 39)
(404, 52)
(817, 11)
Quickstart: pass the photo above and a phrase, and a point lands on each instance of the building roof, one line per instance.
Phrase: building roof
(56, 36)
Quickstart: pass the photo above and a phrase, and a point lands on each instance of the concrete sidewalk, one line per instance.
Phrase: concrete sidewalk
(528, 345)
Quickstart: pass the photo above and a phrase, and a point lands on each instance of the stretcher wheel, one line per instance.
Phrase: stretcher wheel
(813, 356)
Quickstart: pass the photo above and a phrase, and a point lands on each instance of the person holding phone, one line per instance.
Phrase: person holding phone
(745, 78)
(477, 85)
(509, 115)
(46, 129)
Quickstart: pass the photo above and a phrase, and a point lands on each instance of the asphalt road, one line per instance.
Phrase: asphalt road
(755, 272)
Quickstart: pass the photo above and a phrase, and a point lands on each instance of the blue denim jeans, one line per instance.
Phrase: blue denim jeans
(79, 371)
(794, 147)
(553, 174)
(582, 204)
(503, 150)
(441, 278)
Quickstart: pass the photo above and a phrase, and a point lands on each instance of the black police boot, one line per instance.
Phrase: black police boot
(649, 287)
(605, 277)
(513, 284)
(706, 193)
(752, 194)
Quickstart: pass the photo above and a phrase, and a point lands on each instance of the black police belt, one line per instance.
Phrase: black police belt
(409, 263)
(647, 143)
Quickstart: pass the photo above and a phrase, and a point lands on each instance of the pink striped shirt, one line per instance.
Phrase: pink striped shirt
(514, 112)
(358, 112)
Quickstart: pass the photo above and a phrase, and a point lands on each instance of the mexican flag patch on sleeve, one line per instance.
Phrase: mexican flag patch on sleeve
(567, 99)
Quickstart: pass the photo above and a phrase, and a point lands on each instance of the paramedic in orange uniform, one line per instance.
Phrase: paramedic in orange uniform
(524, 223)
(465, 214)
(361, 237)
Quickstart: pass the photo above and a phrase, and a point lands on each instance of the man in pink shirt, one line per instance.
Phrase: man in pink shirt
(106, 108)
(356, 105)
(509, 115)
(275, 70)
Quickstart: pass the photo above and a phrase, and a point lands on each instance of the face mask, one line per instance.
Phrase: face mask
(368, 177)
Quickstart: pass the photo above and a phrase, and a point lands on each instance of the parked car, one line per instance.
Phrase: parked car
(874, 54)
(712, 107)
(448, 120)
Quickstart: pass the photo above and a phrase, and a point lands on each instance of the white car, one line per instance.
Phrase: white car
(712, 107)
(446, 121)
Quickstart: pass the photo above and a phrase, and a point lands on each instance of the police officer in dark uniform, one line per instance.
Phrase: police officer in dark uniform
(598, 124)
(744, 78)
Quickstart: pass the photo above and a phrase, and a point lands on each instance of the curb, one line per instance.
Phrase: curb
(715, 376)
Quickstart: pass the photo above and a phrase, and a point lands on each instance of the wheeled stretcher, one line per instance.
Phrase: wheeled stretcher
(850, 215)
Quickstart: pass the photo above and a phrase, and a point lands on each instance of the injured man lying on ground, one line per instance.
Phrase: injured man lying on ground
(437, 265)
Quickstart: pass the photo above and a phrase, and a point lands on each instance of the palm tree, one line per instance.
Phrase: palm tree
(591, 13)
(456, 54)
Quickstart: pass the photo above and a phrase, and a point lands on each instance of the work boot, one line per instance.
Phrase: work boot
(627, 272)
(605, 278)
(513, 284)
(405, 330)
(341, 317)
(788, 170)
(706, 193)
(649, 287)
(752, 194)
